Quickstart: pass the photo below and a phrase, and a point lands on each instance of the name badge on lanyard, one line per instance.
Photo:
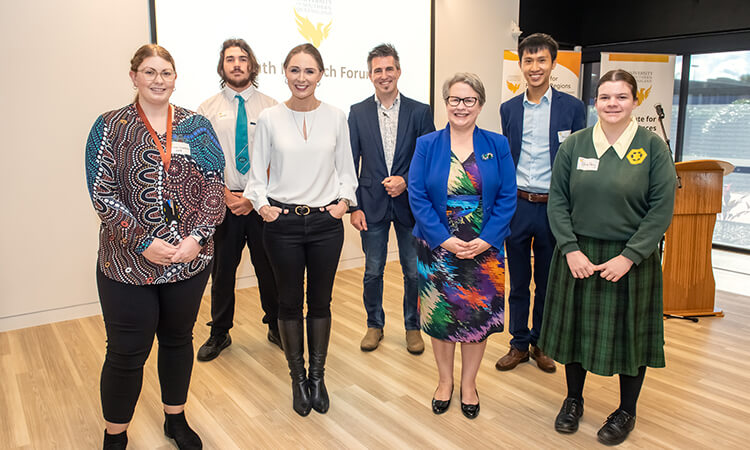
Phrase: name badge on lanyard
(169, 206)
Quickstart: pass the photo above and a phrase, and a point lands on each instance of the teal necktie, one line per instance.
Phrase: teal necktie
(241, 155)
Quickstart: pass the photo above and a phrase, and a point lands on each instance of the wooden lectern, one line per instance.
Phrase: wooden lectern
(689, 284)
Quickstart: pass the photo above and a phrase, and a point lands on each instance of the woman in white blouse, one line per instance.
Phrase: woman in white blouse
(302, 182)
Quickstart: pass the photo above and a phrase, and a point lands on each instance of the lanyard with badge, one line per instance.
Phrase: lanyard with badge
(171, 211)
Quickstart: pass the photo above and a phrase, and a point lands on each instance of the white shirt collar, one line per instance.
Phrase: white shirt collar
(601, 144)
(230, 93)
(547, 95)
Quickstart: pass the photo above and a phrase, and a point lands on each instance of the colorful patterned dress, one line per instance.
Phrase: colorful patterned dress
(462, 300)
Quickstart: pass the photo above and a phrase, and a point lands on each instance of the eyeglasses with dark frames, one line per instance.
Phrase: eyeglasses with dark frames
(455, 101)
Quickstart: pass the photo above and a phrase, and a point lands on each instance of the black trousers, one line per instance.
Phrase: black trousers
(229, 240)
(133, 314)
(298, 243)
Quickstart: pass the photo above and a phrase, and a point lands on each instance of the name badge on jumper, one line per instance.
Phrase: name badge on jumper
(180, 148)
(562, 135)
(588, 164)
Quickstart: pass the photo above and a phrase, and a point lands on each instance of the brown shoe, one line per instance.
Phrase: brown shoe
(544, 362)
(371, 340)
(414, 342)
(512, 359)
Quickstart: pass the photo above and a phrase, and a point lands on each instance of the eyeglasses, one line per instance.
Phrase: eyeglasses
(468, 101)
(150, 74)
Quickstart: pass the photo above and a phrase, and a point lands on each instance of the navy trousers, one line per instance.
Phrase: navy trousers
(529, 229)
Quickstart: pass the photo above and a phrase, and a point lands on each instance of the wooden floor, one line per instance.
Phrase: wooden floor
(49, 389)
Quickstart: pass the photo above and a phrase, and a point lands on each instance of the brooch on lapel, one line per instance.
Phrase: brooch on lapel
(487, 156)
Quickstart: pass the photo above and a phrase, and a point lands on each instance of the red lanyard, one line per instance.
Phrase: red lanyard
(166, 155)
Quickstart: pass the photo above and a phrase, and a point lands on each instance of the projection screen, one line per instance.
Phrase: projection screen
(343, 30)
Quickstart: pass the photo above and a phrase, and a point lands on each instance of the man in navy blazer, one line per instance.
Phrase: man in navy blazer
(535, 123)
(383, 130)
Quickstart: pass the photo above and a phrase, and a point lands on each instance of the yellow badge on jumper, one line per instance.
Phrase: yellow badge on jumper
(636, 155)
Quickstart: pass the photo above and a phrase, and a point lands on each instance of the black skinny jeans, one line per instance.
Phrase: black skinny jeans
(295, 243)
(229, 239)
(133, 314)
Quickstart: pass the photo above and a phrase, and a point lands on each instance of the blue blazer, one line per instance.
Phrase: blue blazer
(567, 113)
(428, 181)
(414, 120)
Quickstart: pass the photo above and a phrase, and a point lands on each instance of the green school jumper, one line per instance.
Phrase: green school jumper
(607, 208)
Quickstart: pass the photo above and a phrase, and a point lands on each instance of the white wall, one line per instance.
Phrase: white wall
(470, 36)
(67, 62)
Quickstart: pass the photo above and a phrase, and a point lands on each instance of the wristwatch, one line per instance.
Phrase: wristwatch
(347, 201)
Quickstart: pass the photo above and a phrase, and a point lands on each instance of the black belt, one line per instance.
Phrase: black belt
(300, 210)
(533, 197)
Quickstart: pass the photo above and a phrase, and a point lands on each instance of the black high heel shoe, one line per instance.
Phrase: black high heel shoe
(441, 406)
(470, 411)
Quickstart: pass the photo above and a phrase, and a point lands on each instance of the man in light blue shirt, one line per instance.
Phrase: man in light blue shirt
(533, 172)
(535, 123)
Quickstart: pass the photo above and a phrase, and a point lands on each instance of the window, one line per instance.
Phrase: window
(717, 126)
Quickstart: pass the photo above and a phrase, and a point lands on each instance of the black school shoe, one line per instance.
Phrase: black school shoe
(213, 346)
(617, 427)
(569, 415)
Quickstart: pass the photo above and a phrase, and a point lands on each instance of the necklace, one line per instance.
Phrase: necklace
(305, 128)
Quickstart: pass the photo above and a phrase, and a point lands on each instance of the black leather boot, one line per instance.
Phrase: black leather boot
(318, 334)
(177, 428)
(115, 441)
(293, 342)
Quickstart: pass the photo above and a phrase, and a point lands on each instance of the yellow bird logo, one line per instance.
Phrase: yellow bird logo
(643, 95)
(314, 34)
(636, 156)
(513, 87)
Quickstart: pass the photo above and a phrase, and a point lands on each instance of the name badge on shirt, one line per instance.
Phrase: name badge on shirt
(180, 148)
(222, 115)
(562, 135)
(588, 164)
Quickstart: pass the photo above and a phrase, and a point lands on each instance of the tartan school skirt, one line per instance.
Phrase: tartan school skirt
(610, 328)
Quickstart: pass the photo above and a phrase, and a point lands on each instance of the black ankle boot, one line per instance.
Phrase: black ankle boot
(318, 334)
(293, 341)
(177, 428)
(117, 441)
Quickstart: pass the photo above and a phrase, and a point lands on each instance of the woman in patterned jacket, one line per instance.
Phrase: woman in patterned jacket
(154, 174)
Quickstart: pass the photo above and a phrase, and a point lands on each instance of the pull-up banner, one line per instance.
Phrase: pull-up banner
(565, 76)
(655, 77)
